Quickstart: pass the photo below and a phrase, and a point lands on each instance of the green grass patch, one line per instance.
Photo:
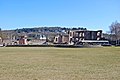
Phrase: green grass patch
(37, 63)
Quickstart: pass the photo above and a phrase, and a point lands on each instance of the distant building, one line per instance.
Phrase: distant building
(61, 39)
(36, 39)
(36, 42)
(65, 38)
(85, 36)
(23, 40)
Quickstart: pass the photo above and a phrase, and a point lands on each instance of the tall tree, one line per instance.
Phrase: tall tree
(115, 30)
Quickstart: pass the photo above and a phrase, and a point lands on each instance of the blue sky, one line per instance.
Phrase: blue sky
(92, 14)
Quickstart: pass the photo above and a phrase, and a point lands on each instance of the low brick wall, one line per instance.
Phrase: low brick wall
(56, 45)
(30, 46)
(59, 46)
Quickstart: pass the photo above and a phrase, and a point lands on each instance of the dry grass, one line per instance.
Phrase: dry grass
(60, 63)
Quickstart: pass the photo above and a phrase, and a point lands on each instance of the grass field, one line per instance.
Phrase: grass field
(59, 63)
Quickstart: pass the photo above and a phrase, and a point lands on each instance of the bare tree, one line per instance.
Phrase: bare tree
(0, 33)
(115, 30)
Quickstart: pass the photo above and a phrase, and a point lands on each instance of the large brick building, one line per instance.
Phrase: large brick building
(75, 37)
(85, 36)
